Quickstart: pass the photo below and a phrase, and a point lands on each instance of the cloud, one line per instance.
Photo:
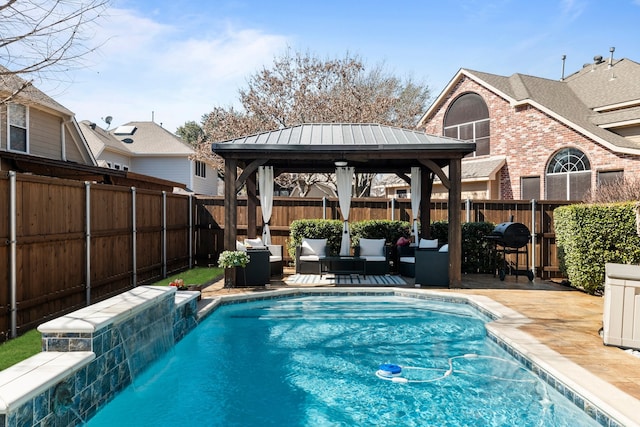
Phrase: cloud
(179, 74)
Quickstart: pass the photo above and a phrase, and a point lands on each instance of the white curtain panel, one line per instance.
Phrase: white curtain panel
(344, 177)
(416, 193)
(265, 183)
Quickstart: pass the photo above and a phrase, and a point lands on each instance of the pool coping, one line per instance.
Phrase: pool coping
(604, 402)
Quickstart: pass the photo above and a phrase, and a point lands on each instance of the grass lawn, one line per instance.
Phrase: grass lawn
(195, 276)
(18, 349)
(25, 346)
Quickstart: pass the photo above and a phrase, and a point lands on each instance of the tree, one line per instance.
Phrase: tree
(302, 88)
(43, 38)
(191, 132)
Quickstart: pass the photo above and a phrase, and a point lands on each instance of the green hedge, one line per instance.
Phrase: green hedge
(478, 254)
(330, 229)
(588, 236)
(379, 228)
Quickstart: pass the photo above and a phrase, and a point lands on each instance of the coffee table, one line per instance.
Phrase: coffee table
(343, 265)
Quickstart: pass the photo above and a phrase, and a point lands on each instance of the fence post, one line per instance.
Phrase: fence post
(393, 209)
(12, 254)
(533, 237)
(87, 238)
(134, 237)
(324, 207)
(467, 204)
(191, 231)
(164, 234)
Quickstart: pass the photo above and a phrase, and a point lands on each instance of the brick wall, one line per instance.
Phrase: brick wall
(529, 138)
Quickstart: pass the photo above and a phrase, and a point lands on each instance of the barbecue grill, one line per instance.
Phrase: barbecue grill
(513, 237)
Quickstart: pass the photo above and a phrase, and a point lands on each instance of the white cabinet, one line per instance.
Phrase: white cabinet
(621, 318)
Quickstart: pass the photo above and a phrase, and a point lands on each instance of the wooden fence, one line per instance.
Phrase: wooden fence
(66, 244)
(536, 215)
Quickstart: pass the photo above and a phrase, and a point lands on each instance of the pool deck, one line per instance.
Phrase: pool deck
(564, 319)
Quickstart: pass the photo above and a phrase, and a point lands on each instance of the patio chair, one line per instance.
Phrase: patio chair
(376, 254)
(275, 255)
(426, 262)
(308, 255)
(257, 272)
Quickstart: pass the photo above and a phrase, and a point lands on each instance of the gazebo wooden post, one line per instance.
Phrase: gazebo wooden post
(455, 226)
(426, 186)
(252, 206)
(231, 206)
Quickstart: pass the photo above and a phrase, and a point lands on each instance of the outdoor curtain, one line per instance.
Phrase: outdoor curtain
(344, 177)
(416, 194)
(265, 183)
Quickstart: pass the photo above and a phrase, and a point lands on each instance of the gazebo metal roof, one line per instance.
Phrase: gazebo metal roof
(369, 148)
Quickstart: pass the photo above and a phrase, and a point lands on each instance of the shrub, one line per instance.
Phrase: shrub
(379, 228)
(330, 229)
(588, 236)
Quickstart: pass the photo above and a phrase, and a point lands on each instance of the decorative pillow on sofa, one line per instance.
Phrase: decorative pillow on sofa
(371, 247)
(254, 243)
(240, 246)
(428, 244)
(313, 247)
(444, 248)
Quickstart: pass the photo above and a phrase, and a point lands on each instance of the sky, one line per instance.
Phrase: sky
(173, 61)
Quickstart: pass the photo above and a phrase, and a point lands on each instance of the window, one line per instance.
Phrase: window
(17, 127)
(125, 168)
(530, 187)
(401, 193)
(116, 166)
(468, 119)
(610, 177)
(201, 169)
(568, 175)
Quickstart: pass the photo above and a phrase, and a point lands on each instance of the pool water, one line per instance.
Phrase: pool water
(312, 361)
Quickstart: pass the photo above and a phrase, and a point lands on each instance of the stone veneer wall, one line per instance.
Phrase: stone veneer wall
(79, 395)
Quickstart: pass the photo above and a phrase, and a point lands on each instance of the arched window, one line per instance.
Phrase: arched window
(568, 175)
(468, 119)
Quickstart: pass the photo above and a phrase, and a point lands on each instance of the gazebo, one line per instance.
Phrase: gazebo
(367, 148)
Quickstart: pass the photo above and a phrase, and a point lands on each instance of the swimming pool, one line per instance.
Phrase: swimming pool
(312, 360)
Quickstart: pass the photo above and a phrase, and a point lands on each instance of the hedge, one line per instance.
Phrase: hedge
(588, 236)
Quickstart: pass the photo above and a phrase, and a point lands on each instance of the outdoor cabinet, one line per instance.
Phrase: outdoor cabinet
(621, 313)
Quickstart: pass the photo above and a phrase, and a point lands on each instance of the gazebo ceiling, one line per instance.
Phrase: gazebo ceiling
(370, 148)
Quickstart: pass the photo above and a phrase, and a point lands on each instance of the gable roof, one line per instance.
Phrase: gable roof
(151, 139)
(575, 101)
(30, 95)
(99, 139)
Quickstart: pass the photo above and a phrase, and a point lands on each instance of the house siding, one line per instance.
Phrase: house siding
(44, 134)
(170, 168)
(207, 186)
(114, 158)
(529, 138)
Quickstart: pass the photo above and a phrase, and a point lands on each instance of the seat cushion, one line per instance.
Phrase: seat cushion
(371, 247)
(275, 258)
(315, 247)
(309, 258)
(408, 259)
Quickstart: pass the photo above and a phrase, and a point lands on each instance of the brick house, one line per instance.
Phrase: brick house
(557, 139)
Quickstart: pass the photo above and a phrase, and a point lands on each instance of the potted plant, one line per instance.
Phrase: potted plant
(229, 260)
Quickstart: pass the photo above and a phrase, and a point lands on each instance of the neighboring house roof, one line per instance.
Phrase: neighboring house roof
(100, 139)
(150, 139)
(9, 83)
(473, 169)
(575, 101)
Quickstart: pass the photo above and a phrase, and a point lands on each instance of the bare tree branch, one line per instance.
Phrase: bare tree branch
(39, 38)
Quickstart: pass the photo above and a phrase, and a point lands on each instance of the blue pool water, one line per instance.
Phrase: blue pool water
(312, 361)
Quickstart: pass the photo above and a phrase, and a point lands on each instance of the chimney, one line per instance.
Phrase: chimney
(611, 50)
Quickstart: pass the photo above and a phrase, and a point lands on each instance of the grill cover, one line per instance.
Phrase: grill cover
(511, 234)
